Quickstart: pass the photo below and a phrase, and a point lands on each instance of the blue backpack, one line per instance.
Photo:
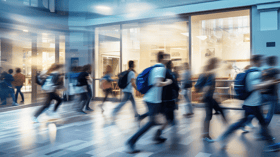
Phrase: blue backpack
(240, 86)
(142, 80)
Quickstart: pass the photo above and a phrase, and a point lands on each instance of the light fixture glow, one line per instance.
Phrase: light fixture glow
(105, 10)
(25, 30)
(202, 37)
(185, 34)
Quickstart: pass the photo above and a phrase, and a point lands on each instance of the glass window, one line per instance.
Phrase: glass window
(142, 41)
(62, 49)
(223, 35)
(107, 53)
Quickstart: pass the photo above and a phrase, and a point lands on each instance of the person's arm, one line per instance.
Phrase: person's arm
(265, 84)
(133, 83)
(161, 83)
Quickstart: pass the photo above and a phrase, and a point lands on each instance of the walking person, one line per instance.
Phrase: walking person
(106, 85)
(8, 79)
(50, 86)
(252, 104)
(128, 91)
(83, 80)
(170, 95)
(206, 83)
(18, 83)
(187, 85)
(153, 97)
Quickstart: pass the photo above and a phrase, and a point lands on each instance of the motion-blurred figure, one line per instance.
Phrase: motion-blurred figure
(51, 84)
(83, 80)
(106, 85)
(128, 91)
(186, 86)
(8, 79)
(252, 104)
(152, 97)
(206, 83)
(18, 83)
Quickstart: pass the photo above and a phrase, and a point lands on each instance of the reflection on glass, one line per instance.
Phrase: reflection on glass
(107, 53)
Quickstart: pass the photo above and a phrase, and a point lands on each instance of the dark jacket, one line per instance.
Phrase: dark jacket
(170, 92)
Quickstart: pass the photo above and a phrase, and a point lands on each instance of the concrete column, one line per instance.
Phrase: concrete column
(56, 48)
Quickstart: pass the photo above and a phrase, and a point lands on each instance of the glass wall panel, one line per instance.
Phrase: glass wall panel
(224, 35)
(107, 52)
(142, 41)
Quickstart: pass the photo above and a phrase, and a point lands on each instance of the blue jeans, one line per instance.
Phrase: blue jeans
(19, 91)
(271, 100)
(153, 111)
(188, 102)
(127, 96)
(249, 110)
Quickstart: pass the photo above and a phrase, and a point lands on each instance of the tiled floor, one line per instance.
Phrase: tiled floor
(92, 135)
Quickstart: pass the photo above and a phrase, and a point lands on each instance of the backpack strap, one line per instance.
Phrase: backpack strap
(247, 73)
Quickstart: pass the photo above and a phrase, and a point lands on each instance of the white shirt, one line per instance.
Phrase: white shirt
(129, 88)
(252, 79)
(155, 93)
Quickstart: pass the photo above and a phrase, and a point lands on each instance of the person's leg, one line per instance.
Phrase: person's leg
(188, 106)
(153, 110)
(126, 97)
(272, 104)
(217, 107)
(21, 94)
(45, 106)
(209, 109)
(89, 97)
(133, 105)
(58, 101)
(12, 92)
(18, 90)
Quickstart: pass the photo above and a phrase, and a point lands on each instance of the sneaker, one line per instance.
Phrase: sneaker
(35, 120)
(15, 104)
(22, 102)
(89, 109)
(130, 148)
(159, 140)
(272, 148)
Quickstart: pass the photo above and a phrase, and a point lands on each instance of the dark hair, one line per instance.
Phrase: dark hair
(256, 58)
(86, 68)
(169, 65)
(54, 67)
(271, 60)
(11, 71)
(18, 70)
(160, 56)
(212, 63)
(131, 64)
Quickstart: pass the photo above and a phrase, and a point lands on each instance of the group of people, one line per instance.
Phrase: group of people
(8, 84)
(161, 95)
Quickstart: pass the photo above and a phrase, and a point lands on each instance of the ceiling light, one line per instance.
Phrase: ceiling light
(104, 10)
(202, 37)
(185, 34)
(25, 30)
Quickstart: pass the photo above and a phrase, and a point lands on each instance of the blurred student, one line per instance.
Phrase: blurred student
(52, 83)
(89, 89)
(128, 91)
(206, 83)
(170, 95)
(106, 85)
(83, 80)
(153, 99)
(18, 83)
(8, 88)
(252, 104)
(187, 85)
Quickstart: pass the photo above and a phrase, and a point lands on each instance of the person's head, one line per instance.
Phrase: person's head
(272, 60)
(87, 68)
(160, 57)
(54, 67)
(18, 70)
(212, 64)
(131, 65)
(169, 65)
(109, 69)
(11, 71)
(256, 60)
(186, 66)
